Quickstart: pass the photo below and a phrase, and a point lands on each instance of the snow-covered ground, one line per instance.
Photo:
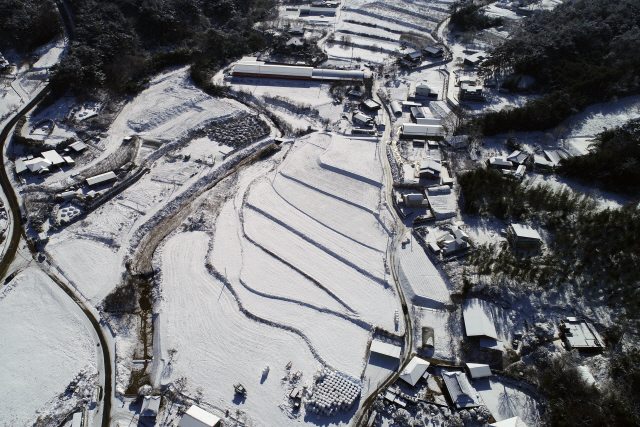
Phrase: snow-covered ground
(45, 345)
(296, 270)
(506, 400)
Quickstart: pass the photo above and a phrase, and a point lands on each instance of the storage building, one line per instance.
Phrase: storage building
(385, 349)
(413, 56)
(411, 130)
(363, 120)
(198, 417)
(78, 146)
(510, 422)
(435, 51)
(150, 406)
(20, 166)
(415, 201)
(499, 163)
(580, 335)
(523, 236)
(478, 370)
(518, 157)
(478, 319)
(101, 179)
(396, 108)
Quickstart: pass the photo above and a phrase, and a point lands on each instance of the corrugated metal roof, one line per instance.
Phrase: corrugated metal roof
(385, 349)
(101, 178)
(421, 130)
(479, 370)
(478, 319)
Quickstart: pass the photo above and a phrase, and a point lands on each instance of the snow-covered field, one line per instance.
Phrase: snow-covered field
(91, 265)
(44, 346)
(295, 271)
(423, 283)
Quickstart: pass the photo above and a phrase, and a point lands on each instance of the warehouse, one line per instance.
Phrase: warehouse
(101, 179)
(198, 417)
(411, 130)
(251, 67)
(385, 349)
(478, 319)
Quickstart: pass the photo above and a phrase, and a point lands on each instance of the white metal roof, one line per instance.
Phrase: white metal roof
(385, 349)
(78, 146)
(150, 406)
(20, 166)
(258, 67)
(37, 164)
(479, 370)
(101, 178)
(53, 157)
(198, 417)
(421, 130)
(478, 319)
(77, 420)
(462, 393)
(510, 422)
(499, 161)
(414, 370)
(523, 231)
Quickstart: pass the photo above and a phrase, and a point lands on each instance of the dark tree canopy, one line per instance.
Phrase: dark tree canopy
(27, 24)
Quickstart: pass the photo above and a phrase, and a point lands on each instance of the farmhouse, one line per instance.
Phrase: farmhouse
(499, 163)
(474, 59)
(518, 157)
(523, 236)
(478, 319)
(363, 120)
(295, 42)
(371, 104)
(101, 179)
(416, 368)
(415, 200)
(478, 370)
(38, 165)
(435, 51)
(430, 169)
(413, 56)
(385, 349)
(471, 92)
(198, 417)
(462, 394)
(580, 335)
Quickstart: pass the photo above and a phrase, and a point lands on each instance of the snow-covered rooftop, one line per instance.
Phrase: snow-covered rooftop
(150, 406)
(385, 349)
(53, 157)
(198, 417)
(478, 319)
(414, 370)
(462, 393)
(479, 370)
(511, 422)
(523, 231)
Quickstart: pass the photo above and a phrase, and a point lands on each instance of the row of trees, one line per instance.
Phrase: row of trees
(118, 43)
(579, 53)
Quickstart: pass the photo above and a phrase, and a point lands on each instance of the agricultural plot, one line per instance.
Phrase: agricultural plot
(91, 265)
(217, 345)
(420, 279)
(44, 346)
(354, 157)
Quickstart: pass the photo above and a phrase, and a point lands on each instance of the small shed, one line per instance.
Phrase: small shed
(361, 119)
(150, 406)
(478, 370)
(523, 236)
(396, 108)
(371, 104)
(415, 200)
(20, 166)
(78, 146)
(77, 419)
(198, 417)
(68, 160)
(499, 163)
